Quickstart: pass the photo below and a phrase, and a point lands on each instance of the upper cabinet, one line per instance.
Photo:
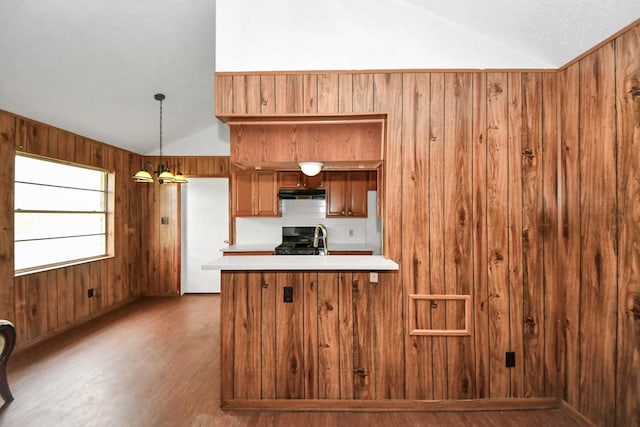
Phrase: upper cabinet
(254, 193)
(346, 194)
(296, 179)
(341, 142)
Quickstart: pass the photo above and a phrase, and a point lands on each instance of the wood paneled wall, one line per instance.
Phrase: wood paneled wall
(147, 253)
(599, 256)
(161, 258)
(518, 188)
(40, 304)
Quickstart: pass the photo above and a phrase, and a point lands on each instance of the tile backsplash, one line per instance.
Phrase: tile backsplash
(309, 213)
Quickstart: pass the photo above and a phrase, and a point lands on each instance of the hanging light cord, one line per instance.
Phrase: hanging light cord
(161, 131)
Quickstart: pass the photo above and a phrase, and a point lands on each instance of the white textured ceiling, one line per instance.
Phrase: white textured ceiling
(93, 66)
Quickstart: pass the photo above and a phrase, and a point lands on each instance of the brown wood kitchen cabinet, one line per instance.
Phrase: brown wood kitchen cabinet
(296, 179)
(254, 193)
(346, 194)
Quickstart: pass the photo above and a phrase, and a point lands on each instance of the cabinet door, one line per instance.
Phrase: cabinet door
(266, 193)
(314, 181)
(336, 188)
(372, 183)
(241, 193)
(356, 202)
(289, 179)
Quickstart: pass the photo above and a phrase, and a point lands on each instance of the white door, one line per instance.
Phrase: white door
(205, 231)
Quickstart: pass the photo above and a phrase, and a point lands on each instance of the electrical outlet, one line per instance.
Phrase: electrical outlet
(351, 232)
(373, 277)
(164, 220)
(90, 293)
(288, 294)
(510, 359)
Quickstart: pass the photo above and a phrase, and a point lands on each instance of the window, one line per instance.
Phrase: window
(61, 213)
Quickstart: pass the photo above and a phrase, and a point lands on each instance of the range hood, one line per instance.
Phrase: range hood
(303, 194)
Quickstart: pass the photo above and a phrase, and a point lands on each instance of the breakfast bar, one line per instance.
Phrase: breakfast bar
(298, 329)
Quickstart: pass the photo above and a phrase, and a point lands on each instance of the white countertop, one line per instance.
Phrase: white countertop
(302, 262)
(259, 247)
(269, 247)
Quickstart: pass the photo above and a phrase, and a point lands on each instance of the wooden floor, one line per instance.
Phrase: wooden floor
(156, 362)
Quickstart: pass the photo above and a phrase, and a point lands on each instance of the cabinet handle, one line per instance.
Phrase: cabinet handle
(350, 213)
(342, 213)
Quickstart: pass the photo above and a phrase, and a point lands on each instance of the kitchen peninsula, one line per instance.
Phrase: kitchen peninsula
(298, 328)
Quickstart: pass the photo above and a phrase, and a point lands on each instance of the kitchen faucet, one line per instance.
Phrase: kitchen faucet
(316, 235)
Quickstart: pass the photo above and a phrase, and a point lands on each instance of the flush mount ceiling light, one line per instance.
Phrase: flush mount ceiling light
(311, 168)
(162, 171)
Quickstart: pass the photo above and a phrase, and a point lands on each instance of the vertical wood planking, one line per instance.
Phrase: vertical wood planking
(117, 268)
(628, 149)
(96, 283)
(239, 94)
(437, 243)
(458, 223)
(290, 337)
(66, 146)
(51, 282)
(83, 150)
(480, 301)
(246, 94)
(569, 235)
(310, 334)
(36, 307)
(289, 94)
(362, 98)
(598, 299)
(388, 296)
(329, 350)
(65, 280)
(20, 309)
(415, 228)
(515, 232)
(345, 93)
(347, 334)
(310, 90)
(498, 232)
(532, 235)
(223, 95)
(328, 93)
(364, 378)
(82, 281)
(268, 333)
(227, 350)
(7, 151)
(246, 335)
(267, 94)
(553, 338)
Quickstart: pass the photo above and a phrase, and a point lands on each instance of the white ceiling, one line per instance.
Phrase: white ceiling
(93, 66)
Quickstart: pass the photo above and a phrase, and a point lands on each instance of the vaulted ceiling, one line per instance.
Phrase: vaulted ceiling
(93, 66)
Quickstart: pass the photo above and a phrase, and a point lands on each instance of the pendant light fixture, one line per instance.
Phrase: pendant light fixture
(311, 168)
(163, 171)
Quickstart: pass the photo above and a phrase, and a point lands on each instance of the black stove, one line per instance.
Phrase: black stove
(297, 241)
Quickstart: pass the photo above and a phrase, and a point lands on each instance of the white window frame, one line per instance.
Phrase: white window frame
(108, 212)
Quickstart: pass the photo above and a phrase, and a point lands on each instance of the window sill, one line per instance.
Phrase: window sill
(34, 270)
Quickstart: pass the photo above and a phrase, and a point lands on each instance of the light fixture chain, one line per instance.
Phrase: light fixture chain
(161, 131)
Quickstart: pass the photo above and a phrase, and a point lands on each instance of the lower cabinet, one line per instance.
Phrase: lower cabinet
(317, 346)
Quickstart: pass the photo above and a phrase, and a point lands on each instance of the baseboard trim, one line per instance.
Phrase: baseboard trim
(515, 404)
(575, 414)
